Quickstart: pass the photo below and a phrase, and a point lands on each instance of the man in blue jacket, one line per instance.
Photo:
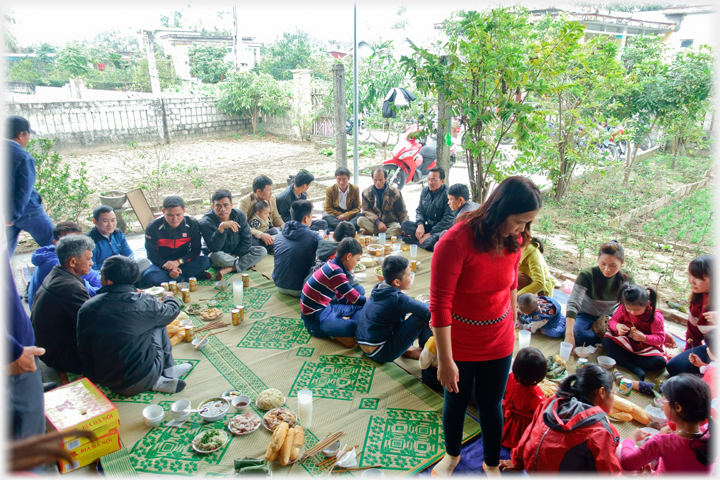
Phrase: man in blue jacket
(295, 248)
(24, 207)
(45, 259)
(109, 240)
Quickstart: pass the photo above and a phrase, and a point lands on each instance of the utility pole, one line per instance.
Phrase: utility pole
(152, 65)
(355, 98)
(340, 115)
(235, 39)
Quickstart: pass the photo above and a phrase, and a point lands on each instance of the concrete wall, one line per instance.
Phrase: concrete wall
(90, 124)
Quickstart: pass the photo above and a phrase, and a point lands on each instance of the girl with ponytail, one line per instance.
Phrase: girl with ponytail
(686, 402)
(636, 332)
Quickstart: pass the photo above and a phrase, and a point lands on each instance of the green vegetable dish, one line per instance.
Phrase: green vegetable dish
(210, 440)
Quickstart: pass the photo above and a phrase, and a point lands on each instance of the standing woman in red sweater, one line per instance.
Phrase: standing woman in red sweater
(473, 304)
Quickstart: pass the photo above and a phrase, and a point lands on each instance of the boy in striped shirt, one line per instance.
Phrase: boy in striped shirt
(329, 305)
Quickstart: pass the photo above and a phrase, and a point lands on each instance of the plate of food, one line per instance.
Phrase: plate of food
(195, 309)
(209, 441)
(269, 399)
(156, 291)
(359, 267)
(230, 394)
(211, 314)
(423, 298)
(276, 416)
(244, 424)
(367, 261)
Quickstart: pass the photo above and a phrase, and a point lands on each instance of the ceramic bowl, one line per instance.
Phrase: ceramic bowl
(606, 362)
(198, 340)
(375, 249)
(331, 449)
(177, 410)
(584, 352)
(236, 401)
(378, 274)
(153, 415)
(215, 417)
(657, 416)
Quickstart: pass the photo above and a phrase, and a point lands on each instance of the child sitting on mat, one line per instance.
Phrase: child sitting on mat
(522, 395)
(541, 312)
(686, 403)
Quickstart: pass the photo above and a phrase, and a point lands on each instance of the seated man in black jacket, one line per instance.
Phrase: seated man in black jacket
(433, 214)
(173, 244)
(121, 335)
(55, 308)
(297, 190)
(295, 248)
(227, 235)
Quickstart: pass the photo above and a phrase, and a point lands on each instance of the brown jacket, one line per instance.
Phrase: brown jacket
(393, 206)
(247, 206)
(332, 201)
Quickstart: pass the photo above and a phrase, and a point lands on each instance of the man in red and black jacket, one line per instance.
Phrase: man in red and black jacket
(173, 246)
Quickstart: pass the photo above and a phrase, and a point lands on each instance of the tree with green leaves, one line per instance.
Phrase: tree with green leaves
(291, 52)
(76, 59)
(11, 44)
(207, 62)
(249, 94)
(166, 71)
(494, 61)
(174, 20)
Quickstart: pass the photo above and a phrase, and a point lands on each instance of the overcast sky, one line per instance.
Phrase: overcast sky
(60, 22)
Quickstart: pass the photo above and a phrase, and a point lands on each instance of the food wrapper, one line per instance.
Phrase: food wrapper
(347, 459)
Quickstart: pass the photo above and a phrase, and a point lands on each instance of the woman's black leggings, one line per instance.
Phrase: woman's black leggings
(490, 379)
(637, 364)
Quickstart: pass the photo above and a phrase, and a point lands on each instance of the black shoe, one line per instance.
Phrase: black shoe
(49, 386)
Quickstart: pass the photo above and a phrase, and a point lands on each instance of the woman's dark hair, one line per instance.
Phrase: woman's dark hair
(529, 367)
(513, 196)
(613, 248)
(694, 396)
(636, 295)
(702, 267)
(538, 243)
(348, 245)
(344, 230)
(585, 383)
(393, 268)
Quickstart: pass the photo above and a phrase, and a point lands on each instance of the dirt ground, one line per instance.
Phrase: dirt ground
(195, 169)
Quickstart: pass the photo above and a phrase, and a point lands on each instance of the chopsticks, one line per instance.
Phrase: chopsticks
(206, 336)
(329, 440)
(212, 325)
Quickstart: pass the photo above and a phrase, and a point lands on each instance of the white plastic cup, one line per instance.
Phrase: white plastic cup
(381, 238)
(524, 339)
(565, 350)
(413, 250)
(305, 407)
(396, 246)
(238, 292)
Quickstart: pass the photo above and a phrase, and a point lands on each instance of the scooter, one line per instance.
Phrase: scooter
(412, 158)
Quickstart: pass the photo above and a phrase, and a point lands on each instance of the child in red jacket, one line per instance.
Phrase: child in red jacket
(522, 395)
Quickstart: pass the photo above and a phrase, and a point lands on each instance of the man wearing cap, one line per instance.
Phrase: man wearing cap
(24, 208)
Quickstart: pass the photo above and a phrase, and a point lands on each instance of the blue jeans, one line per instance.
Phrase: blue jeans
(37, 224)
(156, 275)
(329, 322)
(582, 331)
(681, 362)
(402, 338)
(26, 404)
(557, 330)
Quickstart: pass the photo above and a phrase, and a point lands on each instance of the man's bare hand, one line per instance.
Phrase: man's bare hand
(622, 329)
(9, 224)
(267, 239)
(424, 238)
(43, 449)
(167, 294)
(232, 225)
(171, 265)
(175, 273)
(382, 227)
(420, 232)
(341, 217)
(26, 362)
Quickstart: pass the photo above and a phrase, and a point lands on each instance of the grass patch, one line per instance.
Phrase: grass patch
(689, 219)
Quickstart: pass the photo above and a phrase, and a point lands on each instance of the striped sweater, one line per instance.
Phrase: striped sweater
(327, 283)
(594, 293)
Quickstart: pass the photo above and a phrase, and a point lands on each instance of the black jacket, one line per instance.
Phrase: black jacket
(285, 200)
(295, 249)
(54, 318)
(114, 334)
(434, 210)
(164, 243)
(235, 243)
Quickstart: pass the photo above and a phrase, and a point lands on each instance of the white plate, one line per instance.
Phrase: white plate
(246, 433)
(359, 267)
(265, 423)
(200, 435)
(268, 409)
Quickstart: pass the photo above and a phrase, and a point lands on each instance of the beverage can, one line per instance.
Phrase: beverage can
(246, 280)
(173, 287)
(625, 386)
(235, 316)
(388, 248)
(394, 239)
(193, 284)
(241, 313)
(413, 265)
(186, 295)
(189, 333)
(165, 286)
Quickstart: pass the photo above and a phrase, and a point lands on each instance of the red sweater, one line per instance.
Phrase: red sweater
(697, 324)
(475, 286)
(519, 407)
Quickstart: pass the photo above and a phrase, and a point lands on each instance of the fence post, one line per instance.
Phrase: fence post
(340, 115)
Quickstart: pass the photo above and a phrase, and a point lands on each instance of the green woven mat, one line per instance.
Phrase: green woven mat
(394, 418)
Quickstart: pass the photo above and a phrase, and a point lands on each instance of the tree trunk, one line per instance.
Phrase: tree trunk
(443, 128)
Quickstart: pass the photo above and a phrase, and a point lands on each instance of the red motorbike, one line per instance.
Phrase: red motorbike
(412, 158)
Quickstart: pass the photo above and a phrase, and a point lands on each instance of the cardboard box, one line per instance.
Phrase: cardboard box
(88, 453)
(73, 443)
(79, 405)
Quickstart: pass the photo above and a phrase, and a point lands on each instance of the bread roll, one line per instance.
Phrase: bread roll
(271, 454)
(279, 435)
(173, 330)
(175, 339)
(298, 442)
(287, 447)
